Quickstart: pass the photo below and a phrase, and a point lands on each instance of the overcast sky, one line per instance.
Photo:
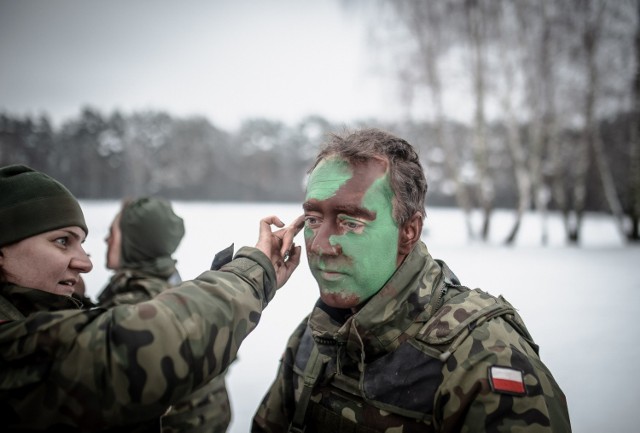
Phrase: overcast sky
(225, 59)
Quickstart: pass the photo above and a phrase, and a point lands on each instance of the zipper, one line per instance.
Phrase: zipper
(441, 293)
(325, 341)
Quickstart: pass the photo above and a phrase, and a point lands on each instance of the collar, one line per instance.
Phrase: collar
(29, 301)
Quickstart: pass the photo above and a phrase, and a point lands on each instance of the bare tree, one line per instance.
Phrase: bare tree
(426, 22)
(633, 233)
(590, 18)
(481, 19)
(511, 44)
(539, 43)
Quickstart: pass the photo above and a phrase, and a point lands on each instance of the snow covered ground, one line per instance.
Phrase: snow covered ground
(579, 303)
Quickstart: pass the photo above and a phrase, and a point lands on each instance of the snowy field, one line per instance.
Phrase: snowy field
(579, 303)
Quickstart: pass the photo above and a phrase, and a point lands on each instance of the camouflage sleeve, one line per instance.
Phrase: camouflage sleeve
(277, 407)
(499, 384)
(97, 368)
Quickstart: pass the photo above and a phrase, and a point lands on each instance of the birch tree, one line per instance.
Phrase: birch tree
(511, 43)
(426, 22)
(591, 19)
(633, 233)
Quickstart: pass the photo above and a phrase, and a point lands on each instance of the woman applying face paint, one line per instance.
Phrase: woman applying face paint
(395, 342)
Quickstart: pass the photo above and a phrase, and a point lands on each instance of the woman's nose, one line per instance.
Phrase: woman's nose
(82, 262)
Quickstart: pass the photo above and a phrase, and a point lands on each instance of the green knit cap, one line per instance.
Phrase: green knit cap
(150, 230)
(32, 202)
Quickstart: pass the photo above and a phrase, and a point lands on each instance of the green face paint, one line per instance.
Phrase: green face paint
(326, 178)
(350, 233)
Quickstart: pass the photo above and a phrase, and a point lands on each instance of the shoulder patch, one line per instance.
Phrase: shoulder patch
(506, 380)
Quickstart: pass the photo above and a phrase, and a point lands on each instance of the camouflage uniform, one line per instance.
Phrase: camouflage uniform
(206, 410)
(416, 358)
(89, 370)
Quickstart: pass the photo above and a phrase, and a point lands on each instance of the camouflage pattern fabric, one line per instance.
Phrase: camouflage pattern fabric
(90, 370)
(128, 286)
(24, 302)
(206, 410)
(418, 357)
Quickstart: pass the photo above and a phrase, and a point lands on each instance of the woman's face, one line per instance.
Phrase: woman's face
(51, 261)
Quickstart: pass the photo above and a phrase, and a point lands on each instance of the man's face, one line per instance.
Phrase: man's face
(351, 238)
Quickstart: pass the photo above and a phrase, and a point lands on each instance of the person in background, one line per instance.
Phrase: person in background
(141, 240)
(396, 342)
(64, 368)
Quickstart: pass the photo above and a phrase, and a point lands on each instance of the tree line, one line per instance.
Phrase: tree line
(106, 156)
(112, 156)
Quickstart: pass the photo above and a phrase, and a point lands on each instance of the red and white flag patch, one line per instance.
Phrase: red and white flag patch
(506, 380)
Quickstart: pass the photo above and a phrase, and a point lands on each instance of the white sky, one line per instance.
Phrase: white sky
(225, 59)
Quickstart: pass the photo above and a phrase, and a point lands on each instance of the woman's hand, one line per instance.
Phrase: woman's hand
(279, 246)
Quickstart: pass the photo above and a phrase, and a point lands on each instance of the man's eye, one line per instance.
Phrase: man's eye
(352, 226)
(311, 221)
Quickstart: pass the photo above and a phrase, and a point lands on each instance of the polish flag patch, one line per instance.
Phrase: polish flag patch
(506, 380)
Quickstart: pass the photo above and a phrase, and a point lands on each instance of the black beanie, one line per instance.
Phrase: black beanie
(32, 202)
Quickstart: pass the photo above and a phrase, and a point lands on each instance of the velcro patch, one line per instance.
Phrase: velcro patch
(506, 380)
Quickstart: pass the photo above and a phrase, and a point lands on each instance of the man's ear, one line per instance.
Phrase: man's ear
(410, 233)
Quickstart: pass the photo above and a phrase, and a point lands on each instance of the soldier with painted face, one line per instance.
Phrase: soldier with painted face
(64, 368)
(395, 343)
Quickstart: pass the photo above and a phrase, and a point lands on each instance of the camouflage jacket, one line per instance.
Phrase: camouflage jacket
(423, 355)
(208, 409)
(119, 369)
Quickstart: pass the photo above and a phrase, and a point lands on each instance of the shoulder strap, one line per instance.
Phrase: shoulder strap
(311, 374)
(8, 311)
(455, 320)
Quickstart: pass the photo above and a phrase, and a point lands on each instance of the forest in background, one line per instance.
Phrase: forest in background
(554, 88)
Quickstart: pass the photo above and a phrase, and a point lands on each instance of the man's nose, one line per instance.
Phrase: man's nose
(321, 241)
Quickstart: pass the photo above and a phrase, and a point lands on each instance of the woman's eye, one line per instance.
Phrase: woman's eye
(62, 241)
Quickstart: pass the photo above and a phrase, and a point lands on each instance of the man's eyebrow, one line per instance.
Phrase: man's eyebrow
(351, 210)
(308, 205)
(356, 211)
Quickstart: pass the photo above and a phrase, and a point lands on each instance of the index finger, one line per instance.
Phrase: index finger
(290, 232)
(265, 236)
(267, 222)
